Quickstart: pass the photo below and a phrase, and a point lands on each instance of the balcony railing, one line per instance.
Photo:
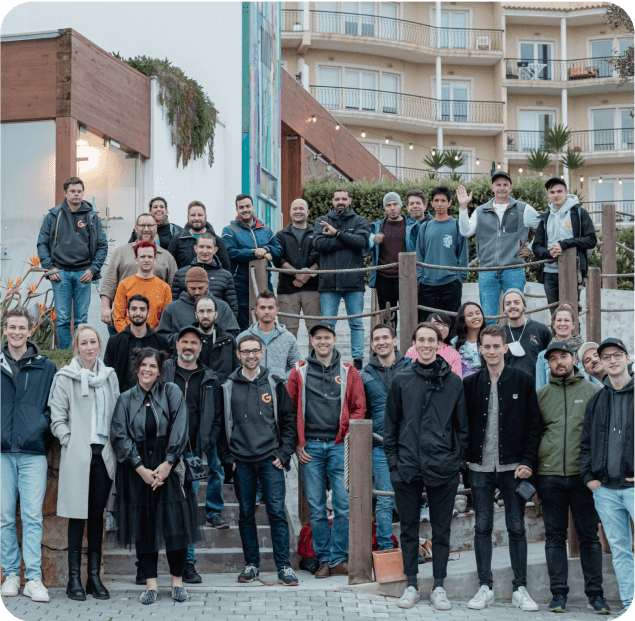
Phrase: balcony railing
(292, 20)
(623, 206)
(587, 140)
(418, 174)
(414, 106)
(557, 70)
(332, 22)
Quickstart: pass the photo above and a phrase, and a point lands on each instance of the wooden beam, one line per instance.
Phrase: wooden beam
(407, 298)
(360, 533)
(261, 281)
(568, 282)
(65, 154)
(292, 171)
(594, 304)
(609, 248)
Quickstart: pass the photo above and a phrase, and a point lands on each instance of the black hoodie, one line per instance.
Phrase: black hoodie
(182, 247)
(72, 251)
(323, 398)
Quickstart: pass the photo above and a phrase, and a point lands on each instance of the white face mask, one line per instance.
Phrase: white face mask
(516, 349)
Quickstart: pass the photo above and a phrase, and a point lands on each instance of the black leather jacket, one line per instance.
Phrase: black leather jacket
(128, 424)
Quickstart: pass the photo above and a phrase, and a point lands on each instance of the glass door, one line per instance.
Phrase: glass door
(454, 104)
(390, 96)
(389, 25)
(627, 198)
(359, 18)
(532, 125)
(361, 90)
(626, 127)
(453, 29)
(327, 18)
(601, 50)
(329, 93)
(603, 136)
(535, 61)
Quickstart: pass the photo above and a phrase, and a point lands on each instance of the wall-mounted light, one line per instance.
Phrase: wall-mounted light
(411, 147)
(619, 181)
(387, 140)
(561, 176)
(433, 152)
(600, 180)
(498, 166)
(478, 161)
(581, 179)
(363, 134)
(520, 170)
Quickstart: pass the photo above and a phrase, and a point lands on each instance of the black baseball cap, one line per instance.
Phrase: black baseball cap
(558, 346)
(187, 329)
(501, 174)
(612, 342)
(555, 181)
(322, 325)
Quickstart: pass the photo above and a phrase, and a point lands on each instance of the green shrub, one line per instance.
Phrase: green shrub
(61, 357)
(625, 261)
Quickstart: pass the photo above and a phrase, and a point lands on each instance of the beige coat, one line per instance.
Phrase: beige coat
(71, 423)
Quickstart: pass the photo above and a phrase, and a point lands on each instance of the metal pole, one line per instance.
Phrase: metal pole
(609, 250)
(594, 304)
(407, 298)
(568, 282)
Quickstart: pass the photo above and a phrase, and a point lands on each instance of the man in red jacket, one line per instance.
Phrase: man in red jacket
(326, 393)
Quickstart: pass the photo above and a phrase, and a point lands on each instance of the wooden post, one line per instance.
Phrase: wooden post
(65, 154)
(374, 319)
(568, 282)
(609, 248)
(572, 539)
(407, 298)
(261, 281)
(360, 533)
(594, 304)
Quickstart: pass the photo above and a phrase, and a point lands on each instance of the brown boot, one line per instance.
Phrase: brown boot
(339, 570)
(323, 571)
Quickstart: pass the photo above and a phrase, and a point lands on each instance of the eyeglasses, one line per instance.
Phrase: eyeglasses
(618, 355)
(249, 352)
(145, 226)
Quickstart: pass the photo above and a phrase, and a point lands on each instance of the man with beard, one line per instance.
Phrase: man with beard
(588, 356)
(562, 405)
(165, 230)
(136, 334)
(182, 244)
(526, 338)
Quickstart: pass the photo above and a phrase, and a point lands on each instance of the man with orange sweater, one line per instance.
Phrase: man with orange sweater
(145, 283)
(326, 393)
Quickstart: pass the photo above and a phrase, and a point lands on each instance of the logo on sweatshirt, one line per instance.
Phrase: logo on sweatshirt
(515, 396)
(266, 397)
(447, 241)
(338, 379)
(80, 224)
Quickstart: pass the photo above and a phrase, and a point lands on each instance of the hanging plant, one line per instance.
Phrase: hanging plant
(191, 113)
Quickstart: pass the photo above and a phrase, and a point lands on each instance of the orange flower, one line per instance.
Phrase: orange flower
(42, 308)
(17, 282)
(10, 284)
(32, 288)
(35, 260)
(53, 315)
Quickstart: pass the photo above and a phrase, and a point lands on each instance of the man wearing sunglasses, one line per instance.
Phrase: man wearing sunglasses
(606, 459)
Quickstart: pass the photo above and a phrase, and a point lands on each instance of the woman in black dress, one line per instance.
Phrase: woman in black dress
(154, 505)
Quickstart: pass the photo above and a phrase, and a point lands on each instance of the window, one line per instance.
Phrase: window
(361, 90)
(612, 129)
(602, 49)
(329, 93)
(454, 105)
(268, 186)
(535, 60)
(612, 192)
(531, 128)
(389, 27)
(389, 155)
(466, 168)
(453, 33)
(327, 17)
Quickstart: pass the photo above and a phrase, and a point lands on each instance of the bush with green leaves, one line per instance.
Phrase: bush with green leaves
(61, 357)
(625, 262)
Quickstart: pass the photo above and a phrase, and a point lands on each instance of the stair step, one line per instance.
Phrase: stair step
(229, 494)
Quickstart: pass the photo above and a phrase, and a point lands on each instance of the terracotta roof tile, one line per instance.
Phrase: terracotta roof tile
(554, 6)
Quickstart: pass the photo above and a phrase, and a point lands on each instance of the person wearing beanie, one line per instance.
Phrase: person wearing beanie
(526, 337)
(563, 226)
(388, 237)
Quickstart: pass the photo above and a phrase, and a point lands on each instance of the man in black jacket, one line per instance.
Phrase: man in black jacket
(298, 292)
(563, 226)
(166, 230)
(258, 437)
(201, 390)
(138, 333)
(221, 282)
(504, 418)
(606, 459)
(425, 438)
(340, 238)
(182, 244)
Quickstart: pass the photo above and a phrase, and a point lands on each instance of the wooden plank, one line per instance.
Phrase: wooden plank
(65, 154)
(28, 80)
(609, 249)
(360, 533)
(292, 171)
(568, 282)
(63, 74)
(594, 304)
(407, 298)
(261, 281)
(572, 539)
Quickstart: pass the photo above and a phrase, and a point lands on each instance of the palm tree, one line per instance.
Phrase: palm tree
(454, 159)
(556, 139)
(537, 160)
(434, 160)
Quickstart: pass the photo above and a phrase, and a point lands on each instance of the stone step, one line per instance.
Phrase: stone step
(229, 493)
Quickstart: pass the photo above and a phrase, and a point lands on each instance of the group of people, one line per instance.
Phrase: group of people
(185, 374)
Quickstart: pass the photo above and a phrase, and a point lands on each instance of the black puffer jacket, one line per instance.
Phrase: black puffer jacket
(182, 247)
(219, 353)
(221, 282)
(425, 427)
(300, 257)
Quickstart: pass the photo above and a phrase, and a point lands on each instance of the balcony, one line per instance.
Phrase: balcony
(398, 38)
(408, 112)
(418, 174)
(622, 206)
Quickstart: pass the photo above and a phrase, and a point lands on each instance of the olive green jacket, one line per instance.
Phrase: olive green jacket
(562, 404)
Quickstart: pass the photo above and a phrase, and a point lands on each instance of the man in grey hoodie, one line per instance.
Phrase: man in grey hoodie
(281, 348)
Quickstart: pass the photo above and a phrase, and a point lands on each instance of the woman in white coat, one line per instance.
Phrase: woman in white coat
(82, 400)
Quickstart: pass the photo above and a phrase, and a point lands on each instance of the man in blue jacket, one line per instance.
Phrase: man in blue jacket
(72, 241)
(26, 380)
(385, 362)
(247, 239)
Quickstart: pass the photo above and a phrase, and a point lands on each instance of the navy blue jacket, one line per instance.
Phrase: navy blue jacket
(26, 416)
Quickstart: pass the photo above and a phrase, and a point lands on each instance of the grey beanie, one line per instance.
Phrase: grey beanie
(519, 292)
(392, 196)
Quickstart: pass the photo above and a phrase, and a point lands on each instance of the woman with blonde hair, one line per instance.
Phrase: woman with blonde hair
(82, 400)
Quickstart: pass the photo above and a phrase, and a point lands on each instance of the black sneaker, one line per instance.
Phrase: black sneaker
(140, 579)
(287, 576)
(558, 603)
(598, 605)
(249, 574)
(358, 364)
(190, 575)
(217, 521)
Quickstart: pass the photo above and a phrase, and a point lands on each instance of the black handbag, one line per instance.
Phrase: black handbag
(194, 470)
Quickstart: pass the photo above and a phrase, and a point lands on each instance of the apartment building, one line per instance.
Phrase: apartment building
(484, 78)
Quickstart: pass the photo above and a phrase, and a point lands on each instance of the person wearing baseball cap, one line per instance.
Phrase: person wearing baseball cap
(558, 480)
(563, 226)
(501, 226)
(588, 355)
(606, 459)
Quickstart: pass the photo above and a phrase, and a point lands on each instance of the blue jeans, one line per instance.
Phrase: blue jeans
(383, 508)
(22, 474)
(614, 507)
(70, 294)
(354, 301)
(327, 459)
(246, 476)
(215, 479)
(492, 284)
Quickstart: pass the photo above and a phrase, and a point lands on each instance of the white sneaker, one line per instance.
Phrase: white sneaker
(522, 600)
(11, 586)
(439, 599)
(409, 598)
(484, 597)
(36, 591)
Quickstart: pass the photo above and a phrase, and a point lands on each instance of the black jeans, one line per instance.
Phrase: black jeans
(484, 485)
(148, 562)
(441, 503)
(552, 289)
(387, 291)
(558, 495)
(98, 489)
(444, 297)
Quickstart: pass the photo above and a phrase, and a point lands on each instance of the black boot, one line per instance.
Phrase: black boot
(190, 575)
(74, 588)
(94, 585)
